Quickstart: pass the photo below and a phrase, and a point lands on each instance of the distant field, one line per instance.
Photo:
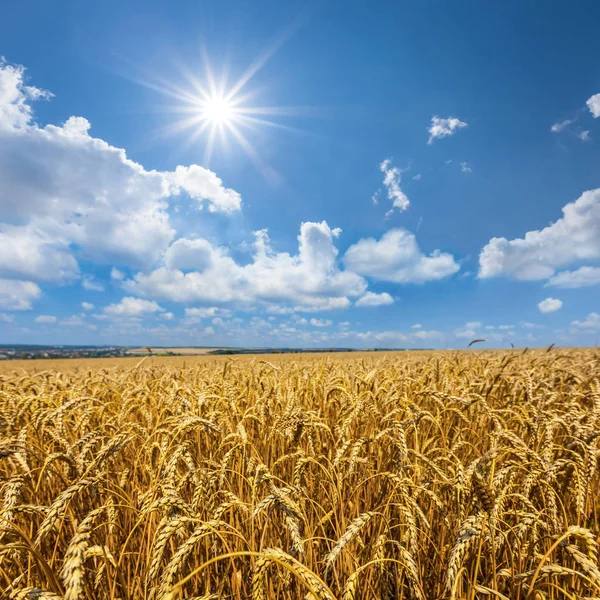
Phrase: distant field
(68, 365)
(92, 364)
(179, 351)
(189, 360)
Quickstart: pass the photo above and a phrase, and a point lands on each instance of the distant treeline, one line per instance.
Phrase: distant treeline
(221, 351)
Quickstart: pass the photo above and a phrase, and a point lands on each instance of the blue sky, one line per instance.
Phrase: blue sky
(386, 174)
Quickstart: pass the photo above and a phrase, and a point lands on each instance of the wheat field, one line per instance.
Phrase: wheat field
(419, 476)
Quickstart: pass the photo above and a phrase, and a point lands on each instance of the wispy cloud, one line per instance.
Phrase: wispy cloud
(441, 128)
(558, 127)
(89, 283)
(566, 126)
(584, 136)
(391, 180)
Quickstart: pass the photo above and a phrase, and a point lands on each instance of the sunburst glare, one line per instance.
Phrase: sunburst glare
(213, 113)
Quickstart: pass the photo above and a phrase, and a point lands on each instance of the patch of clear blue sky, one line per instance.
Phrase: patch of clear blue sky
(374, 73)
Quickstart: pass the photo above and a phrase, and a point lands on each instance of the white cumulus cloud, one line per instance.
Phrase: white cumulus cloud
(18, 295)
(208, 312)
(15, 96)
(190, 255)
(45, 319)
(132, 307)
(423, 335)
(310, 280)
(592, 321)
(320, 322)
(372, 299)
(77, 321)
(528, 325)
(574, 237)
(397, 257)
(593, 103)
(29, 253)
(550, 305)
(441, 128)
(582, 277)
(203, 185)
(87, 306)
(469, 330)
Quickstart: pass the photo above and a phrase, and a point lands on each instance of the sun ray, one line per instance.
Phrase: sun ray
(212, 85)
(283, 111)
(253, 121)
(261, 60)
(266, 170)
(210, 143)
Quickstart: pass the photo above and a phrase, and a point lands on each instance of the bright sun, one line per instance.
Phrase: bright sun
(217, 110)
